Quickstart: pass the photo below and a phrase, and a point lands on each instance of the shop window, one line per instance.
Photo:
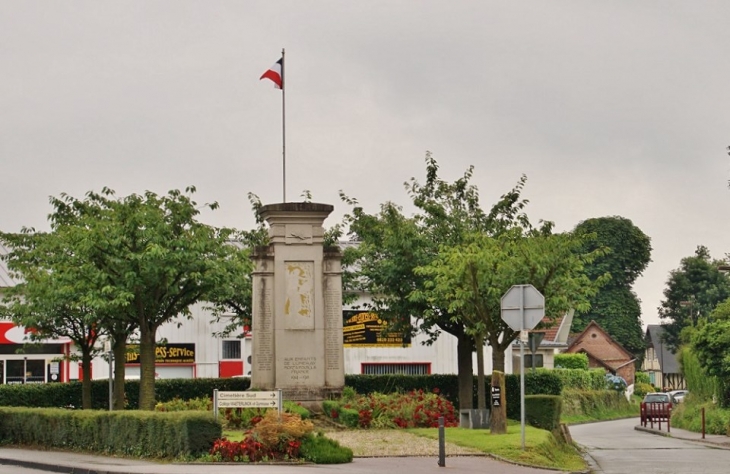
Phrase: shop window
(25, 371)
(396, 369)
(538, 361)
(232, 349)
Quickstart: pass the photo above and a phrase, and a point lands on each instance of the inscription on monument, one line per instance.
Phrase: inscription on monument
(265, 337)
(299, 369)
(333, 333)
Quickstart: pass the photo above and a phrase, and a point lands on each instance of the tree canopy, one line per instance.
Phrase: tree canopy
(627, 254)
(145, 259)
(398, 258)
(693, 290)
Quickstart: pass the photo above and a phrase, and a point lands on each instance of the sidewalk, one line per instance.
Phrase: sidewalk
(720, 441)
(67, 462)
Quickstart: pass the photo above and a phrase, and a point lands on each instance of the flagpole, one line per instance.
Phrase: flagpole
(283, 125)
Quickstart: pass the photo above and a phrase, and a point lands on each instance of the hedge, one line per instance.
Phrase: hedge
(138, 433)
(540, 382)
(588, 402)
(578, 379)
(543, 411)
(571, 361)
(69, 394)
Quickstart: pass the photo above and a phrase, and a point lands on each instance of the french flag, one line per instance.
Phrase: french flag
(275, 74)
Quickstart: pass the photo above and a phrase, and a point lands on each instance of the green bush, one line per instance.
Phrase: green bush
(641, 389)
(579, 379)
(543, 411)
(592, 403)
(702, 386)
(688, 416)
(571, 361)
(322, 450)
(349, 417)
(294, 407)
(642, 377)
(146, 434)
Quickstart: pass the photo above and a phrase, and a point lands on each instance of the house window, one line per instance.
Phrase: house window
(396, 369)
(538, 361)
(232, 349)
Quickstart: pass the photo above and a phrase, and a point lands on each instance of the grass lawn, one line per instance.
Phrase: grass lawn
(541, 448)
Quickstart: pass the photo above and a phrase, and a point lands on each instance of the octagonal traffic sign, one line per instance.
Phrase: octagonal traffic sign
(522, 307)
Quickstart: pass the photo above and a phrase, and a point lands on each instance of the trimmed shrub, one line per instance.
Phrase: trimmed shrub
(543, 411)
(579, 379)
(69, 394)
(146, 434)
(571, 361)
(349, 417)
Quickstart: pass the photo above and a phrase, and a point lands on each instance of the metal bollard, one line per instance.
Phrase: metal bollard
(703, 422)
(442, 443)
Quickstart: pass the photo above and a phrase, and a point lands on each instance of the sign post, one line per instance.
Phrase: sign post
(252, 399)
(523, 307)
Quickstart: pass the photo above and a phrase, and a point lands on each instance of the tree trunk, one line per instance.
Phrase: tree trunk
(120, 358)
(498, 418)
(86, 381)
(147, 367)
(481, 397)
(497, 358)
(464, 349)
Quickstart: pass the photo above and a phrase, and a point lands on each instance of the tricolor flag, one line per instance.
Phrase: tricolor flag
(275, 74)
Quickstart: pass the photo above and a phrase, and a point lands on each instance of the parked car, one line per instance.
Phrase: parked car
(678, 395)
(656, 406)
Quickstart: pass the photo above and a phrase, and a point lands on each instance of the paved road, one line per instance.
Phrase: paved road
(5, 469)
(618, 448)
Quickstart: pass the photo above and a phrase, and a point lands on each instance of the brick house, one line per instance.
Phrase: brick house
(604, 352)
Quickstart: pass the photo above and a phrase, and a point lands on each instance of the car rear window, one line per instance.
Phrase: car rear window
(654, 398)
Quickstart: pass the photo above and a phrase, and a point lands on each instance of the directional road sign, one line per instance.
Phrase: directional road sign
(242, 403)
(272, 395)
(249, 399)
(522, 301)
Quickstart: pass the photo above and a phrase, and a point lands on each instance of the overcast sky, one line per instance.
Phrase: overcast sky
(609, 108)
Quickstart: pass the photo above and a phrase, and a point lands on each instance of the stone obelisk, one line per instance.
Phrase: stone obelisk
(297, 306)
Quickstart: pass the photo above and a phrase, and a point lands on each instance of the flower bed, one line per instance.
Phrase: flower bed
(416, 409)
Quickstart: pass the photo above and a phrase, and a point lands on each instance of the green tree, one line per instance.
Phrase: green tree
(615, 306)
(472, 278)
(692, 292)
(46, 299)
(711, 345)
(147, 260)
(392, 246)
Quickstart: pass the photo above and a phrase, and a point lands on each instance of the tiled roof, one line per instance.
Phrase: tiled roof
(551, 331)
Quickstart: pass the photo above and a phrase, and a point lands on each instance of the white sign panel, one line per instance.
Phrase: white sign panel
(242, 403)
(522, 301)
(250, 399)
(248, 396)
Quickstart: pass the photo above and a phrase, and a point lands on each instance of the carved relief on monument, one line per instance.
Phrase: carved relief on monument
(299, 298)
